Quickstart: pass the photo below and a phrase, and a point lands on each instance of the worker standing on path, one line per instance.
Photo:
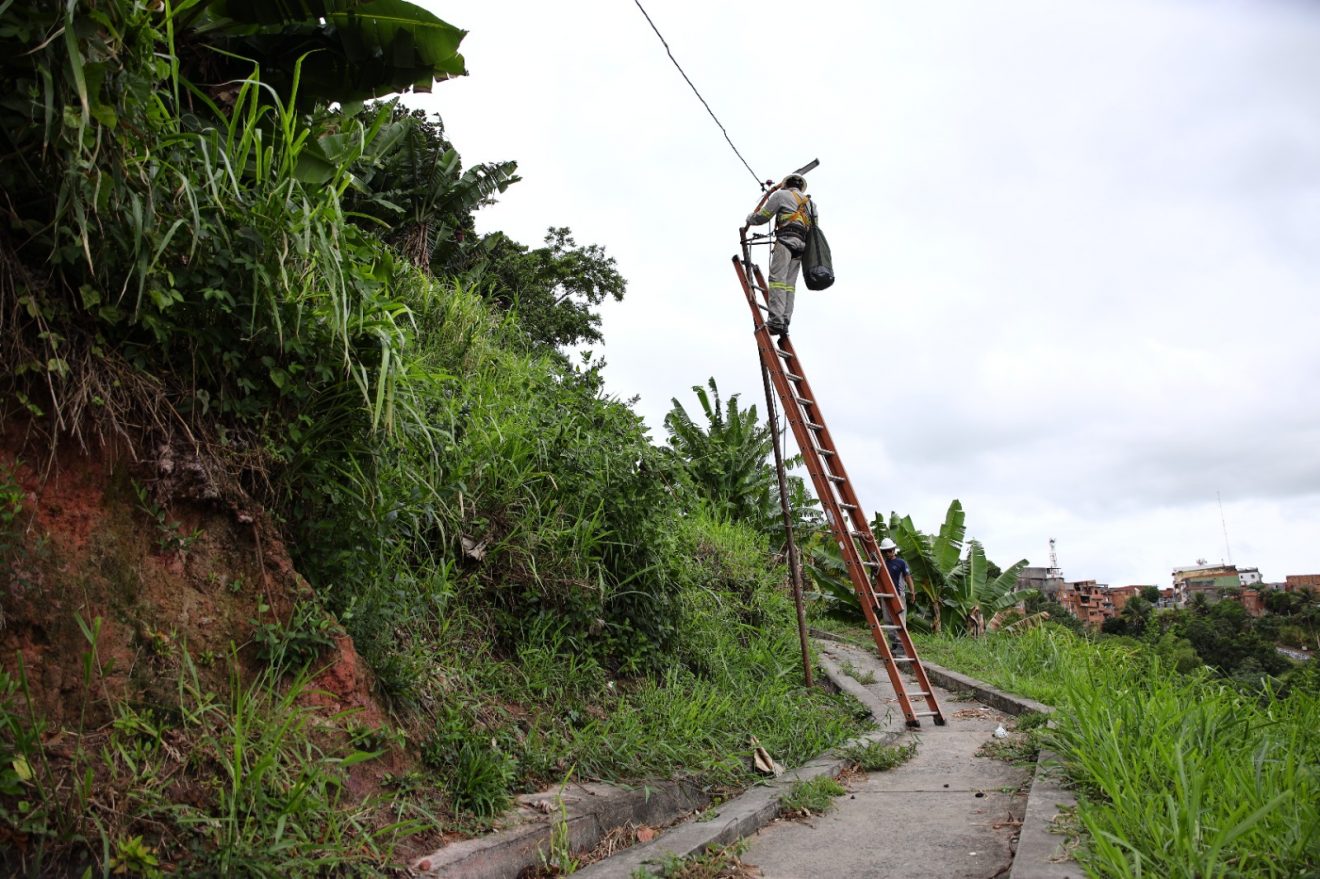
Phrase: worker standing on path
(901, 576)
(794, 213)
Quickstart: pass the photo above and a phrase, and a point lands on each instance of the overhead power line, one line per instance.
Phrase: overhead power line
(697, 93)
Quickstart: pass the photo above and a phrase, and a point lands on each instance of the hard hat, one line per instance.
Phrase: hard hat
(795, 181)
(888, 544)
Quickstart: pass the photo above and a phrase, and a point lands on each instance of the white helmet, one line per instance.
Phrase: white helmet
(795, 181)
(887, 544)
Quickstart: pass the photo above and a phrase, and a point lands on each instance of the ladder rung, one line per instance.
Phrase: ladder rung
(804, 401)
(884, 595)
(920, 694)
(814, 426)
(848, 506)
(762, 307)
(826, 452)
(871, 564)
(925, 714)
(855, 533)
(902, 659)
(835, 479)
(793, 378)
(782, 353)
(887, 626)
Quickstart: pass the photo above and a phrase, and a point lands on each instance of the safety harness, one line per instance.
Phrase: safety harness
(795, 225)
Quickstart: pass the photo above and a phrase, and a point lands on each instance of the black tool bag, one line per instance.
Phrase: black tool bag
(817, 265)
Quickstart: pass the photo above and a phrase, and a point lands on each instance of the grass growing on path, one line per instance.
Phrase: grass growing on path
(1180, 776)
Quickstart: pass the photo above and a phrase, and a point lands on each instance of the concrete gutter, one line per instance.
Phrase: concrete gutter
(589, 810)
(1008, 703)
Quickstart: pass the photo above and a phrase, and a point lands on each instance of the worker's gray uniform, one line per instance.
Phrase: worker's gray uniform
(793, 213)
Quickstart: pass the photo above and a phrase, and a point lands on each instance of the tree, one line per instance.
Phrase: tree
(1151, 594)
(1131, 621)
(1224, 637)
(550, 290)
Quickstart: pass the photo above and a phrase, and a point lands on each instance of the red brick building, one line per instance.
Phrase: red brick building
(1296, 582)
(1088, 601)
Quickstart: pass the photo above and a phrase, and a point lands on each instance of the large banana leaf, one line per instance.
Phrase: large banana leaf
(947, 547)
(352, 49)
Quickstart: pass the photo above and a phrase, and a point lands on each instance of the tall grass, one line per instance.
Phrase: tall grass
(1180, 776)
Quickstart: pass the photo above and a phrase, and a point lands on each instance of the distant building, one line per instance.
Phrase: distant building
(1252, 602)
(1249, 576)
(1212, 581)
(1295, 582)
(1088, 601)
(1168, 597)
(1120, 595)
(1047, 581)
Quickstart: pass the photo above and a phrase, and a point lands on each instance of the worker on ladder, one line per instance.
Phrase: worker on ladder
(794, 213)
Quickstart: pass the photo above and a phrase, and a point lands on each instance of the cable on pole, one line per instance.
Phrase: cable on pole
(698, 94)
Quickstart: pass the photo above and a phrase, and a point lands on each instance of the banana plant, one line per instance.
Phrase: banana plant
(352, 49)
(418, 192)
(971, 598)
(932, 560)
(727, 458)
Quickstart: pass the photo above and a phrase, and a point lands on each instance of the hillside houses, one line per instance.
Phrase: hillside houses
(1093, 602)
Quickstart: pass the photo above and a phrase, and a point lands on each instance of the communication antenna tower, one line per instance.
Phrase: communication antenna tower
(1054, 556)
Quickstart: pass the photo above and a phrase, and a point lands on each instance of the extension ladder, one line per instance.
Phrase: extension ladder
(866, 568)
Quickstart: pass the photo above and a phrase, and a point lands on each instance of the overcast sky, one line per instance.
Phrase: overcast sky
(1076, 244)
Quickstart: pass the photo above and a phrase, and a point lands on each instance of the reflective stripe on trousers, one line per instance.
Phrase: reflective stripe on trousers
(784, 268)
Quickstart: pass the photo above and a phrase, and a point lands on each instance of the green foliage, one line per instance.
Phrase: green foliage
(416, 194)
(726, 457)
(550, 291)
(1226, 638)
(812, 797)
(823, 562)
(353, 49)
(292, 644)
(864, 678)
(12, 549)
(953, 589)
(169, 538)
(1181, 775)
(480, 780)
(711, 864)
(1058, 614)
(876, 756)
(263, 797)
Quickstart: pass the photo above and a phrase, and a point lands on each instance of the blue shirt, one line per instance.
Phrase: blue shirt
(898, 569)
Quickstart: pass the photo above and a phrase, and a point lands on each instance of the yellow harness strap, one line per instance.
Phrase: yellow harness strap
(801, 214)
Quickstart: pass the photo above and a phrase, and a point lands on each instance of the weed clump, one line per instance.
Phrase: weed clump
(812, 797)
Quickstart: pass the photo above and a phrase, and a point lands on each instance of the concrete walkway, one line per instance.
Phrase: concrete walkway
(945, 814)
